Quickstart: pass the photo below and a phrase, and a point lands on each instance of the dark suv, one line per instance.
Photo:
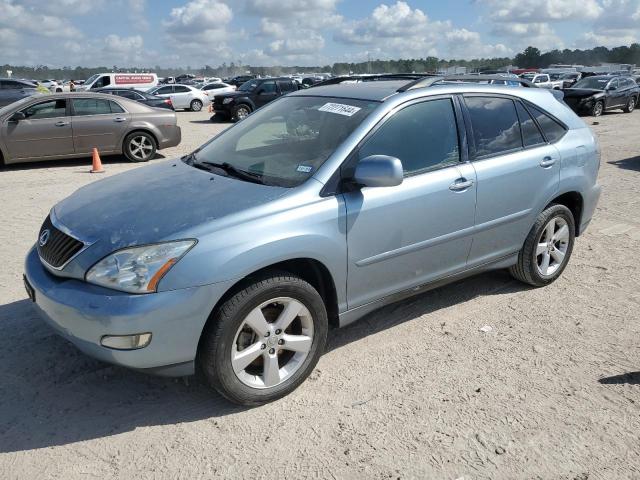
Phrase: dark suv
(598, 94)
(250, 96)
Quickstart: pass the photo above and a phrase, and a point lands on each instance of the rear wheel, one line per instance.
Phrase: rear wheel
(139, 147)
(547, 249)
(597, 109)
(631, 105)
(196, 105)
(265, 340)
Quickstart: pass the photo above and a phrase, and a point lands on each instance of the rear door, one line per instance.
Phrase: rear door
(517, 169)
(286, 86)
(45, 132)
(404, 236)
(98, 123)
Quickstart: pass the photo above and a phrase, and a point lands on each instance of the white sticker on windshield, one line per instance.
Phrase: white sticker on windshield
(339, 108)
(304, 168)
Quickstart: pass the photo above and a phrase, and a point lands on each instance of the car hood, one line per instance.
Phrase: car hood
(235, 94)
(155, 203)
(581, 92)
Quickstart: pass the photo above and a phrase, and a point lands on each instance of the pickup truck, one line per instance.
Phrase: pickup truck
(543, 80)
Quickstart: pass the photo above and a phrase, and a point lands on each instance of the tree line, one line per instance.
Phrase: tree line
(531, 57)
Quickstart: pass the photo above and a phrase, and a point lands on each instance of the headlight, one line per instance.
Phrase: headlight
(138, 269)
(227, 100)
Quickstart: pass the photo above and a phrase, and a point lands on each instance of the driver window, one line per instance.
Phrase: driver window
(268, 87)
(48, 109)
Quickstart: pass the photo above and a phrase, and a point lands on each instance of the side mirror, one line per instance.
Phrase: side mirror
(18, 116)
(378, 171)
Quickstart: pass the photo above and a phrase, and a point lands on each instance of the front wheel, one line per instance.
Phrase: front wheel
(139, 147)
(241, 112)
(547, 249)
(631, 105)
(598, 109)
(265, 340)
(196, 105)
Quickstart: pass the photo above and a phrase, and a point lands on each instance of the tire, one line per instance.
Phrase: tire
(241, 112)
(530, 268)
(597, 109)
(631, 105)
(195, 105)
(228, 328)
(139, 147)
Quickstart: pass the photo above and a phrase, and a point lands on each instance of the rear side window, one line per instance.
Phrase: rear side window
(424, 136)
(531, 135)
(91, 106)
(181, 89)
(286, 86)
(552, 129)
(115, 108)
(495, 125)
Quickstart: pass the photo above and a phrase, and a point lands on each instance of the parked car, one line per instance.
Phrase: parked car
(569, 79)
(51, 85)
(140, 81)
(141, 97)
(543, 80)
(12, 90)
(183, 97)
(319, 208)
(217, 88)
(68, 125)
(250, 96)
(240, 79)
(598, 94)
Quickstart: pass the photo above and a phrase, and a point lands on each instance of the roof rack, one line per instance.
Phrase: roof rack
(371, 78)
(428, 82)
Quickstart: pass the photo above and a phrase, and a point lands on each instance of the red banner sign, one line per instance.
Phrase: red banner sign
(133, 79)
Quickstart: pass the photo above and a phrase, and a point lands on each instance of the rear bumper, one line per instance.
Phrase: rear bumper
(83, 313)
(589, 207)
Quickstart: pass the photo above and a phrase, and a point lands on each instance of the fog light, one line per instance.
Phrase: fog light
(126, 342)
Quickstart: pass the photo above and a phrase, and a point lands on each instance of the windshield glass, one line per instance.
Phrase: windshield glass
(596, 83)
(248, 86)
(287, 141)
(569, 76)
(92, 78)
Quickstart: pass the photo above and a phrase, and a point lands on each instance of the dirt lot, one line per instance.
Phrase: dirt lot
(415, 390)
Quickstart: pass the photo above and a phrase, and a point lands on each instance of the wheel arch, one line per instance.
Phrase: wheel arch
(573, 201)
(148, 131)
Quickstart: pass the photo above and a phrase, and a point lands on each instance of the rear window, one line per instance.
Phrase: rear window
(551, 128)
(495, 125)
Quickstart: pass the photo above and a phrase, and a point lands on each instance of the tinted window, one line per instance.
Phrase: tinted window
(102, 82)
(181, 89)
(268, 87)
(530, 134)
(286, 86)
(115, 108)
(91, 106)
(552, 129)
(495, 125)
(164, 91)
(130, 94)
(48, 109)
(423, 136)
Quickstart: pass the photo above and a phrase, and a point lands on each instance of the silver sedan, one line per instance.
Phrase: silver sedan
(67, 125)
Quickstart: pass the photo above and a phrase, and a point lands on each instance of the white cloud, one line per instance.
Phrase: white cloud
(199, 21)
(541, 10)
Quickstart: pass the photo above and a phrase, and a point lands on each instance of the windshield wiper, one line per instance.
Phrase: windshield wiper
(189, 158)
(235, 172)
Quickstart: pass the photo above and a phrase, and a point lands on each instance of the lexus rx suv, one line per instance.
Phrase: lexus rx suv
(236, 259)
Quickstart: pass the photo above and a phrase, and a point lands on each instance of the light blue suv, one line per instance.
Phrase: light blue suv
(315, 210)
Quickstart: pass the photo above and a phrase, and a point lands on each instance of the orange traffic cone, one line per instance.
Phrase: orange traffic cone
(97, 163)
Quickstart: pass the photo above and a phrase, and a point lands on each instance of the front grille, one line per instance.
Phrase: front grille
(59, 247)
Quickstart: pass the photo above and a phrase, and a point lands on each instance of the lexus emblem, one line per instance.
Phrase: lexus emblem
(44, 237)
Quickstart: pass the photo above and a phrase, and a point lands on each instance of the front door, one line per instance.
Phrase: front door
(181, 97)
(266, 93)
(45, 132)
(404, 236)
(98, 123)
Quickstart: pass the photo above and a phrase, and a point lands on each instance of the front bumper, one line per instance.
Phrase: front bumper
(83, 313)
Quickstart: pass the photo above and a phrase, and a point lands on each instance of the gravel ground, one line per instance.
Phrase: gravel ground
(415, 390)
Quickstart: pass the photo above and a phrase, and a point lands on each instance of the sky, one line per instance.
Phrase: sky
(180, 33)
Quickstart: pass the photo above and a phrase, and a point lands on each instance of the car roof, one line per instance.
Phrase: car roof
(376, 90)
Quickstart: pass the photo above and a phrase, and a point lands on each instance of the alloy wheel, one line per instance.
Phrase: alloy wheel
(598, 109)
(272, 343)
(140, 147)
(242, 113)
(552, 246)
(632, 105)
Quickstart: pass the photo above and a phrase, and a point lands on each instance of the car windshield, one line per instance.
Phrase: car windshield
(595, 83)
(248, 86)
(92, 78)
(287, 141)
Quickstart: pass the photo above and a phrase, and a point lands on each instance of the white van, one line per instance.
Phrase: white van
(140, 81)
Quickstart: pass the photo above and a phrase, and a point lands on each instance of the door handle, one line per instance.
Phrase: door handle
(61, 124)
(460, 185)
(119, 119)
(547, 162)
